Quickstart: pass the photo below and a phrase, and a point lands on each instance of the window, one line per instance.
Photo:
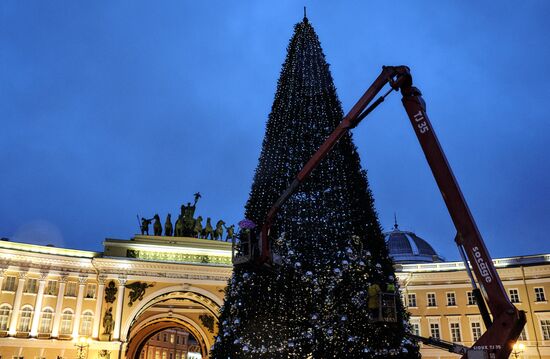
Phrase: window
(157, 354)
(86, 323)
(51, 287)
(25, 320)
(90, 291)
(412, 299)
(434, 330)
(5, 311)
(539, 295)
(514, 295)
(471, 298)
(164, 354)
(415, 329)
(31, 286)
(523, 335)
(172, 338)
(158, 337)
(177, 339)
(455, 332)
(451, 299)
(476, 330)
(545, 326)
(10, 284)
(171, 356)
(164, 337)
(71, 289)
(66, 322)
(46, 321)
(431, 300)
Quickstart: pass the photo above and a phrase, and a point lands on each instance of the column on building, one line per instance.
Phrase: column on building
(119, 303)
(98, 305)
(78, 309)
(38, 305)
(17, 304)
(2, 271)
(59, 306)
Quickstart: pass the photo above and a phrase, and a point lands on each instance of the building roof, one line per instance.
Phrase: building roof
(407, 247)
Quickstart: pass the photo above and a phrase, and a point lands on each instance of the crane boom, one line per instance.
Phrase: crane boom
(508, 321)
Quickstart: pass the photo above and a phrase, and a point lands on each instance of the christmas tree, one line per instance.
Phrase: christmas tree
(317, 303)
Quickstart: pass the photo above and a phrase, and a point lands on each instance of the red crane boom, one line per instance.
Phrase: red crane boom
(508, 321)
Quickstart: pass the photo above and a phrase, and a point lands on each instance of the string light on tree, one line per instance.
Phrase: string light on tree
(328, 235)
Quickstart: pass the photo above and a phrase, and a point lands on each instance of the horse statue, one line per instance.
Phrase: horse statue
(197, 229)
(218, 232)
(168, 226)
(230, 232)
(178, 232)
(208, 230)
(157, 227)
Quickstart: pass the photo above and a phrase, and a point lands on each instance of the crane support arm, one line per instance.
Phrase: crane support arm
(508, 321)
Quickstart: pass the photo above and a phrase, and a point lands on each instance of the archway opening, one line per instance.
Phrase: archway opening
(170, 343)
(183, 315)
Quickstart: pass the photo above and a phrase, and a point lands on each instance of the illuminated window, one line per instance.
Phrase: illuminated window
(471, 298)
(90, 291)
(25, 320)
(31, 286)
(10, 284)
(476, 330)
(523, 335)
(172, 338)
(46, 321)
(5, 311)
(66, 322)
(434, 330)
(411, 299)
(545, 326)
(86, 323)
(455, 332)
(51, 288)
(514, 295)
(71, 289)
(431, 300)
(539, 295)
(415, 328)
(451, 299)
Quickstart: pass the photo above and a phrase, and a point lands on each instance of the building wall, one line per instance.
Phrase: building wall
(519, 274)
(204, 282)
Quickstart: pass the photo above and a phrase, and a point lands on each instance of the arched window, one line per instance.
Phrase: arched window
(25, 319)
(66, 322)
(46, 321)
(86, 323)
(5, 311)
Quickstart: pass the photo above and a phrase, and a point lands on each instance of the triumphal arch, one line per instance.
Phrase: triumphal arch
(61, 303)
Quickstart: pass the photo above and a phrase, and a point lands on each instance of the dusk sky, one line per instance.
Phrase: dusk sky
(110, 109)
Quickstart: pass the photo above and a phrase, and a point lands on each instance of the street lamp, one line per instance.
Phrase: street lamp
(82, 344)
(518, 349)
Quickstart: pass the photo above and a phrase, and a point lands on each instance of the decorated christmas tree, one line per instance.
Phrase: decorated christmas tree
(326, 299)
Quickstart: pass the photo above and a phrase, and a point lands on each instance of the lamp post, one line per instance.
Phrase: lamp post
(82, 345)
(518, 349)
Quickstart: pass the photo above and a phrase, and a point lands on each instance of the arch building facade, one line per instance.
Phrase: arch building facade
(63, 303)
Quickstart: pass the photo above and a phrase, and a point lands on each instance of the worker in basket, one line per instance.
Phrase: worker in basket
(374, 301)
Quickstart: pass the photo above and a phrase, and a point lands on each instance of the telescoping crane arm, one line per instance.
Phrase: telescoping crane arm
(507, 321)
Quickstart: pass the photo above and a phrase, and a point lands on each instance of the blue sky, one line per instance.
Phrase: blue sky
(110, 109)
